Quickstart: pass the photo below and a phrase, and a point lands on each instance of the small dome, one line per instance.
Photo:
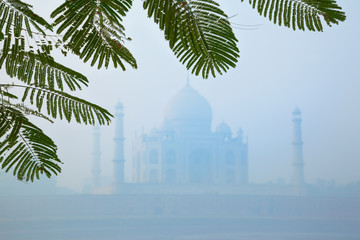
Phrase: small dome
(223, 128)
(188, 105)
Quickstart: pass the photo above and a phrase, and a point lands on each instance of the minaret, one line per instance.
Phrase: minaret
(96, 168)
(298, 162)
(119, 146)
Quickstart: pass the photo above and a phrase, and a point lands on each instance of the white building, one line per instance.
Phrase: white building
(184, 156)
(184, 150)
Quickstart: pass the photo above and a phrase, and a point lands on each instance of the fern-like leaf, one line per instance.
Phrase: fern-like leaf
(93, 30)
(17, 20)
(7, 96)
(63, 105)
(198, 32)
(40, 69)
(16, 15)
(24, 148)
(301, 14)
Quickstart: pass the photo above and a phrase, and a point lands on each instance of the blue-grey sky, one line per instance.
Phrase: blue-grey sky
(278, 70)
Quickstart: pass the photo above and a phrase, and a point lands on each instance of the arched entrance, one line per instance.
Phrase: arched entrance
(200, 169)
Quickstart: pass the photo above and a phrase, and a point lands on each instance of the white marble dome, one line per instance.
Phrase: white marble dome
(188, 104)
(189, 112)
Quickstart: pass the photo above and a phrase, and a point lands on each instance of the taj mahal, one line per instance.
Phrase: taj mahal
(184, 155)
(184, 150)
(186, 170)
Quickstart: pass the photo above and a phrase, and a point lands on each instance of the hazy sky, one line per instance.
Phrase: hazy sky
(278, 70)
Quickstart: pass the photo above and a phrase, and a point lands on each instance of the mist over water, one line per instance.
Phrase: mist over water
(147, 217)
(181, 229)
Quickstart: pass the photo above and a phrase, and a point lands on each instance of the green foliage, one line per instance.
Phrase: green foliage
(37, 159)
(59, 103)
(93, 30)
(198, 32)
(18, 21)
(15, 15)
(41, 70)
(303, 14)
(24, 147)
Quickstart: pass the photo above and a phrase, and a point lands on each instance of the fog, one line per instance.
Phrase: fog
(278, 70)
(109, 217)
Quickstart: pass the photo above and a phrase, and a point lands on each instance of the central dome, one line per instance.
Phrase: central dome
(190, 108)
